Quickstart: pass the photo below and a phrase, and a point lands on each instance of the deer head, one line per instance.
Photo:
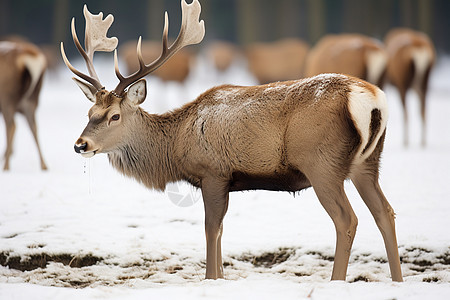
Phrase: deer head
(110, 117)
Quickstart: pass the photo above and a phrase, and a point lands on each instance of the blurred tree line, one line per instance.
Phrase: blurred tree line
(239, 21)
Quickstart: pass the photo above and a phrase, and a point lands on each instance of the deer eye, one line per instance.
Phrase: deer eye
(115, 117)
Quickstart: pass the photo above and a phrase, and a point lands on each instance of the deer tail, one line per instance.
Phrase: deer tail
(36, 64)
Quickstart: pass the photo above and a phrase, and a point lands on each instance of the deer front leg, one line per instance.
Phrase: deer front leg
(215, 199)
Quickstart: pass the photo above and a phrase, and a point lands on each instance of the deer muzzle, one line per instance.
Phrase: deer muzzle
(81, 147)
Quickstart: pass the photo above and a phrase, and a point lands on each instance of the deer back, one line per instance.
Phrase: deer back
(281, 60)
(351, 54)
(261, 130)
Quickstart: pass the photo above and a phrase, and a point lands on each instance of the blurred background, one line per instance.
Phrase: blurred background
(238, 21)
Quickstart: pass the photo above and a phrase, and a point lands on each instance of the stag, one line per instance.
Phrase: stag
(222, 54)
(352, 54)
(411, 58)
(22, 67)
(284, 136)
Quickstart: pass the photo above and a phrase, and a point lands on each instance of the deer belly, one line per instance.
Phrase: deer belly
(290, 181)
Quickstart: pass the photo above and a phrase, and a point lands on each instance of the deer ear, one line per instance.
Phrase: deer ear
(137, 92)
(88, 89)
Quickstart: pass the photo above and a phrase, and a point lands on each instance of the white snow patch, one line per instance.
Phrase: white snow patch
(154, 249)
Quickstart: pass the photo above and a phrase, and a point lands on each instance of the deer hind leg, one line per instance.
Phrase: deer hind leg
(333, 198)
(405, 116)
(29, 113)
(10, 125)
(423, 115)
(421, 90)
(215, 199)
(366, 182)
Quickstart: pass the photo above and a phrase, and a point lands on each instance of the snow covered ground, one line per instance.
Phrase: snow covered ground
(82, 231)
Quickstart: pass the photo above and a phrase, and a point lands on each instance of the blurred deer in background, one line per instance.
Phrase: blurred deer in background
(411, 58)
(351, 54)
(22, 67)
(284, 136)
(177, 69)
(222, 54)
(277, 61)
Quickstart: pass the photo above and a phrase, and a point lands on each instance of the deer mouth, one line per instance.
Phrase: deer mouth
(88, 154)
(81, 149)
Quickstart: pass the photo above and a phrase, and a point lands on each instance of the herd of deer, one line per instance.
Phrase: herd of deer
(283, 135)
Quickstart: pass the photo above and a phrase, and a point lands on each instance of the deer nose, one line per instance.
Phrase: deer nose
(80, 147)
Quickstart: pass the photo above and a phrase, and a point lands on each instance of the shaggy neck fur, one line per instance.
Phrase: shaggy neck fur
(146, 153)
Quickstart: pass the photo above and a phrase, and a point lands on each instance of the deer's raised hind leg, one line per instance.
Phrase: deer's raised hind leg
(366, 183)
(215, 199)
(332, 197)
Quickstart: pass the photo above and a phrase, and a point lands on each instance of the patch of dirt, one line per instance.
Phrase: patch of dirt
(431, 279)
(321, 255)
(75, 270)
(267, 259)
(360, 278)
(424, 259)
(36, 261)
(444, 258)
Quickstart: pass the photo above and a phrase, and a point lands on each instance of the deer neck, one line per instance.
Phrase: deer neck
(147, 153)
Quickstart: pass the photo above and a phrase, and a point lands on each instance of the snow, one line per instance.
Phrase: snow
(141, 245)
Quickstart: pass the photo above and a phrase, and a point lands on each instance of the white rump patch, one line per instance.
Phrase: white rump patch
(6, 47)
(361, 104)
(376, 64)
(422, 59)
(36, 65)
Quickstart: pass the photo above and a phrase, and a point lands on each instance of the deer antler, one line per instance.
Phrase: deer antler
(192, 32)
(95, 40)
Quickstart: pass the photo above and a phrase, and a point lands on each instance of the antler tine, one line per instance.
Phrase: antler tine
(125, 81)
(116, 67)
(93, 79)
(165, 37)
(192, 32)
(139, 53)
(89, 79)
(95, 40)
